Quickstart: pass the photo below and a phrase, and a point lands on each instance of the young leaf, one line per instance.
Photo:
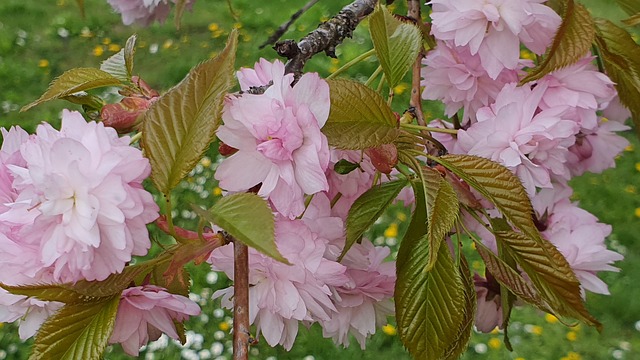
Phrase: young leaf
(459, 344)
(180, 6)
(442, 211)
(397, 43)
(550, 273)
(53, 292)
(115, 65)
(430, 305)
(368, 208)
(571, 42)
(78, 331)
(73, 81)
(129, 53)
(631, 7)
(359, 118)
(248, 218)
(180, 125)
(621, 58)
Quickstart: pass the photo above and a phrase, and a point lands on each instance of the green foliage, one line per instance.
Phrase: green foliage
(178, 128)
(359, 118)
(73, 81)
(120, 65)
(248, 218)
(368, 208)
(430, 305)
(77, 331)
(397, 43)
(621, 58)
(571, 42)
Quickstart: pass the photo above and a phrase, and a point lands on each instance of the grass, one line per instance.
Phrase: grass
(41, 39)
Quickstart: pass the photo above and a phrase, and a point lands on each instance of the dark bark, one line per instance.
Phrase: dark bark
(241, 330)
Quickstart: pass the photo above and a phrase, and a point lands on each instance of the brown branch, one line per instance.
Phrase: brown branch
(283, 28)
(241, 302)
(416, 101)
(326, 37)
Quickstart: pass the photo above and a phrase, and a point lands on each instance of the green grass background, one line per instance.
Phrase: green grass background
(41, 39)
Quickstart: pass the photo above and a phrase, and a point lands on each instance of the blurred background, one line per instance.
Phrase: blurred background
(39, 40)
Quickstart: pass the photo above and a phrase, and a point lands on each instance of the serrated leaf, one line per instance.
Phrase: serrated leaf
(430, 305)
(88, 101)
(359, 118)
(367, 209)
(550, 273)
(633, 20)
(78, 331)
(631, 7)
(442, 211)
(621, 58)
(115, 65)
(460, 343)
(397, 43)
(571, 43)
(180, 125)
(50, 292)
(73, 81)
(248, 218)
(129, 53)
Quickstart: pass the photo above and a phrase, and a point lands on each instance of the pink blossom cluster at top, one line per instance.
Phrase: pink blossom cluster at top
(280, 152)
(72, 207)
(546, 131)
(143, 12)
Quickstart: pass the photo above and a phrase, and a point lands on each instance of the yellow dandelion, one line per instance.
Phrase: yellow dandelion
(401, 216)
(637, 212)
(400, 88)
(324, 18)
(630, 189)
(184, 39)
(391, 231)
(335, 61)
(43, 63)
(495, 331)
(638, 166)
(494, 343)
(213, 27)
(551, 319)
(389, 330)
(302, 27)
(167, 44)
(519, 358)
(576, 327)
(536, 330)
(237, 25)
(86, 33)
(604, 119)
(246, 37)
(473, 245)
(106, 41)
(572, 355)
(114, 47)
(629, 148)
(333, 69)
(216, 34)
(572, 336)
(526, 54)
(98, 50)
(476, 264)
(217, 191)
(213, 54)
(224, 326)
(206, 162)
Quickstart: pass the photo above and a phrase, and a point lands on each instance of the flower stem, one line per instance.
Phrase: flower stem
(356, 60)
(431, 129)
(241, 302)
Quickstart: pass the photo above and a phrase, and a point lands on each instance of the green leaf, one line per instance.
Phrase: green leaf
(359, 118)
(367, 209)
(88, 101)
(73, 81)
(129, 54)
(430, 305)
(499, 185)
(344, 166)
(248, 218)
(120, 65)
(631, 7)
(550, 273)
(180, 7)
(459, 344)
(180, 125)
(632, 20)
(571, 42)
(621, 58)
(397, 43)
(78, 331)
(53, 292)
(442, 211)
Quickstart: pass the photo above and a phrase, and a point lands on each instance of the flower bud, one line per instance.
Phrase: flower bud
(384, 157)
(124, 115)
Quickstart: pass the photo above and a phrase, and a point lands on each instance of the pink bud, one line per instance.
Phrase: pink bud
(124, 115)
(384, 157)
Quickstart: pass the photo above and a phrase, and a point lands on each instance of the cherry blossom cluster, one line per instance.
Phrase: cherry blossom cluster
(73, 208)
(276, 149)
(546, 131)
(144, 12)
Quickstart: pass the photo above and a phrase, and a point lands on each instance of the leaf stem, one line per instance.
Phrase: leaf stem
(135, 138)
(356, 60)
(373, 76)
(168, 210)
(430, 129)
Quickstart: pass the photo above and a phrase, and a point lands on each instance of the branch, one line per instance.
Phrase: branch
(326, 37)
(283, 28)
(241, 301)
(416, 102)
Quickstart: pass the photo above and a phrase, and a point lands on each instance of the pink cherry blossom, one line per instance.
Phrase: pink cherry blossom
(364, 302)
(30, 311)
(615, 111)
(262, 74)
(513, 131)
(348, 187)
(596, 150)
(143, 12)
(279, 142)
(489, 312)
(459, 80)
(494, 28)
(282, 295)
(145, 312)
(80, 201)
